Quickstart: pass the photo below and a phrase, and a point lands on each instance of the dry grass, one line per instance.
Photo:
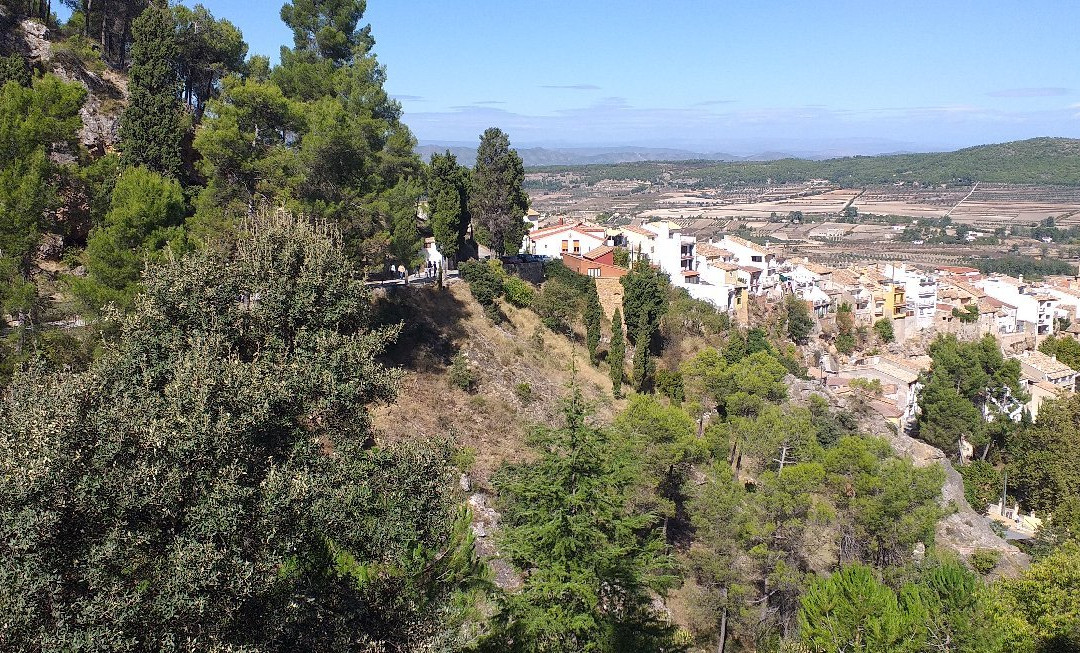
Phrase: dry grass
(492, 423)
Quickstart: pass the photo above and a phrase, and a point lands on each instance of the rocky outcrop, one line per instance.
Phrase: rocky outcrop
(106, 89)
(963, 530)
(485, 521)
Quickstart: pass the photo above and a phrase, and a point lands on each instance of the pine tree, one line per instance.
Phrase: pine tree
(594, 314)
(592, 560)
(617, 353)
(144, 219)
(405, 239)
(642, 358)
(644, 293)
(151, 129)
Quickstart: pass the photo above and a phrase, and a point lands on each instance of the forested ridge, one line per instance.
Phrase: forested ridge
(203, 320)
(1044, 161)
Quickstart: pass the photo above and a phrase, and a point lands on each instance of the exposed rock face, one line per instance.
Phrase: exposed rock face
(485, 521)
(107, 89)
(964, 530)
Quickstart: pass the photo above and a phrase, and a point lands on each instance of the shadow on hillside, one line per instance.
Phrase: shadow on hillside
(431, 321)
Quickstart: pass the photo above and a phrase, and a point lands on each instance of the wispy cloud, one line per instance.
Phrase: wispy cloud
(573, 87)
(1043, 91)
(482, 102)
(408, 98)
(713, 103)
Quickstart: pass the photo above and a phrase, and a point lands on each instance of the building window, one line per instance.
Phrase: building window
(594, 272)
(577, 246)
(565, 246)
(755, 259)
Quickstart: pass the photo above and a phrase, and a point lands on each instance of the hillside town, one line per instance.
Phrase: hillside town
(917, 302)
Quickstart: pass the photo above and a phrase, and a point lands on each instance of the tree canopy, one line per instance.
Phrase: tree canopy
(211, 482)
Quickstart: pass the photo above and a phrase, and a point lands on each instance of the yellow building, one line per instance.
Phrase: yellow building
(895, 306)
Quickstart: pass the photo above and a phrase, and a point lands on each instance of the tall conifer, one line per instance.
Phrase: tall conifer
(617, 354)
(151, 129)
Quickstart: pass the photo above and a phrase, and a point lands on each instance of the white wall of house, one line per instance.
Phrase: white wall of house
(1038, 313)
(547, 242)
(639, 245)
(755, 257)
(673, 252)
(432, 253)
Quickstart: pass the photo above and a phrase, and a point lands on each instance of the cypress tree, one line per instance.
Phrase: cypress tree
(151, 129)
(448, 202)
(617, 353)
(496, 199)
(642, 360)
(593, 316)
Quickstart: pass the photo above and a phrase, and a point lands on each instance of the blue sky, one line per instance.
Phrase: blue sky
(719, 75)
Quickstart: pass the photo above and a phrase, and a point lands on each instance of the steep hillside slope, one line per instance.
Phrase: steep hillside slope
(522, 371)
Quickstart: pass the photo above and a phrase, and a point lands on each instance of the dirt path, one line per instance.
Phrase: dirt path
(957, 205)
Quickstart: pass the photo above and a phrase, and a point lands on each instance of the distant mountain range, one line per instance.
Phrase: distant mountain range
(572, 156)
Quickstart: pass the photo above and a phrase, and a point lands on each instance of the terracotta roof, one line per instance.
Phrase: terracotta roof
(957, 269)
(968, 288)
(886, 408)
(1049, 387)
(744, 242)
(594, 254)
(720, 265)
(639, 231)
(1046, 364)
(751, 269)
(712, 251)
(689, 273)
(592, 232)
(844, 278)
(672, 226)
(817, 269)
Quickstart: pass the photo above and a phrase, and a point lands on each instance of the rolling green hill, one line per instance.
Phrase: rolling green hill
(1043, 161)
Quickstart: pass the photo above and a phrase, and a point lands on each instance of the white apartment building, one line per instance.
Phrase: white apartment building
(761, 265)
(1034, 309)
(920, 292)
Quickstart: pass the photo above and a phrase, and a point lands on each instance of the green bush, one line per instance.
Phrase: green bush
(982, 483)
(461, 373)
(558, 304)
(485, 279)
(984, 560)
(884, 329)
(845, 343)
(524, 392)
(518, 292)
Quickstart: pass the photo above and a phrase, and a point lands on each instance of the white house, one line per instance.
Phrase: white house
(565, 238)
(673, 252)
(718, 277)
(760, 265)
(1035, 310)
